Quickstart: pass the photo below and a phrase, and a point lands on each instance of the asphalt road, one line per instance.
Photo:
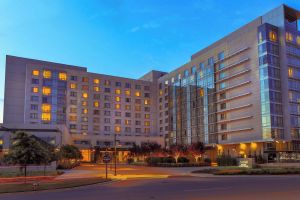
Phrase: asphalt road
(183, 188)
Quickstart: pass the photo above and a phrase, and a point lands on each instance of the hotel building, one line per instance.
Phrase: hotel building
(240, 96)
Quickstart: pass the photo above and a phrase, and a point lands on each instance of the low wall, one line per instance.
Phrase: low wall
(17, 168)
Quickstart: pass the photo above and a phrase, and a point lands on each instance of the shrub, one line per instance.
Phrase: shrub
(153, 160)
(130, 160)
(168, 160)
(226, 161)
(207, 160)
(183, 160)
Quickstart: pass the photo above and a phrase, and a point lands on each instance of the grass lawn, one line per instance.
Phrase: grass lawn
(29, 173)
(57, 184)
(247, 171)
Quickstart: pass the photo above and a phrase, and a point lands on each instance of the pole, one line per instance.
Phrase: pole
(105, 170)
(115, 154)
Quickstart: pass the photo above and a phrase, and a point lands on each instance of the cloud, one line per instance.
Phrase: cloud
(150, 25)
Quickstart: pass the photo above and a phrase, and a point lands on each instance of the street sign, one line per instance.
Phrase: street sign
(106, 158)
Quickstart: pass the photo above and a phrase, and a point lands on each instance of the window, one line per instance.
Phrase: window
(137, 94)
(127, 85)
(118, 106)
(260, 37)
(106, 105)
(96, 104)
(46, 116)
(73, 126)
(85, 95)
(138, 123)
(73, 110)
(222, 95)
(35, 72)
(73, 85)
(138, 130)
(222, 75)
(46, 108)
(85, 111)
(222, 85)
(223, 106)
(147, 116)
(127, 122)
(118, 121)
(73, 78)
(186, 73)
(35, 89)
(223, 127)
(146, 87)
(85, 87)
(224, 137)
(62, 76)
(73, 94)
(137, 108)
(273, 36)
(288, 37)
(84, 119)
(34, 107)
(96, 88)
(137, 115)
(127, 114)
(117, 91)
(118, 99)
(47, 74)
(147, 130)
(138, 87)
(96, 120)
(107, 82)
(73, 102)
(118, 84)
(298, 39)
(290, 72)
(96, 81)
(107, 90)
(127, 107)
(85, 79)
(223, 116)
(138, 101)
(147, 109)
(117, 129)
(221, 55)
(73, 118)
(118, 114)
(96, 112)
(106, 128)
(34, 98)
(106, 113)
(210, 61)
(46, 91)
(193, 70)
(127, 92)
(84, 103)
(96, 96)
(147, 123)
(127, 129)
(107, 120)
(147, 95)
(33, 115)
(221, 65)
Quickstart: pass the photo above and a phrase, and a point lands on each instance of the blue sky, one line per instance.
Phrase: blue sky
(119, 37)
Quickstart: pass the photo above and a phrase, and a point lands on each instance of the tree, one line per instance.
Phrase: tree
(196, 150)
(26, 150)
(177, 151)
(69, 152)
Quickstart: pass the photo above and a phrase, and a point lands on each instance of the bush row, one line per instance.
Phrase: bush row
(226, 161)
(263, 171)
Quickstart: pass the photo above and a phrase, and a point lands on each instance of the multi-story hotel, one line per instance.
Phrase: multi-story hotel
(239, 96)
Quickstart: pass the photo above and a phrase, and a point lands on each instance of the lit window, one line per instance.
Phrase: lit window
(46, 116)
(85, 79)
(118, 99)
(1, 142)
(160, 92)
(127, 92)
(118, 91)
(35, 72)
(273, 36)
(127, 122)
(96, 81)
(298, 40)
(259, 37)
(73, 118)
(46, 91)
(147, 123)
(147, 116)
(290, 72)
(35, 89)
(118, 106)
(85, 111)
(96, 104)
(137, 94)
(201, 92)
(96, 88)
(117, 129)
(288, 37)
(147, 102)
(46, 108)
(85, 95)
(47, 74)
(73, 85)
(62, 76)
(84, 103)
(85, 87)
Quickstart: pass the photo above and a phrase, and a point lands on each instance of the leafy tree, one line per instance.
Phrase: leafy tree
(69, 152)
(26, 150)
(196, 150)
(177, 151)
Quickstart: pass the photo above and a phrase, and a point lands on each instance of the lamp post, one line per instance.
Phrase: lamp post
(115, 143)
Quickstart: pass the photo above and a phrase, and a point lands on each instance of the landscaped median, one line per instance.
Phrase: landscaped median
(248, 171)
(48, 184)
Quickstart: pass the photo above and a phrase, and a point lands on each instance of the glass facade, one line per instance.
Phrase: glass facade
(270, 85)
(192, 106)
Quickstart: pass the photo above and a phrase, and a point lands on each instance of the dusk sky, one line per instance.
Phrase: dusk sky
(119, 37)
